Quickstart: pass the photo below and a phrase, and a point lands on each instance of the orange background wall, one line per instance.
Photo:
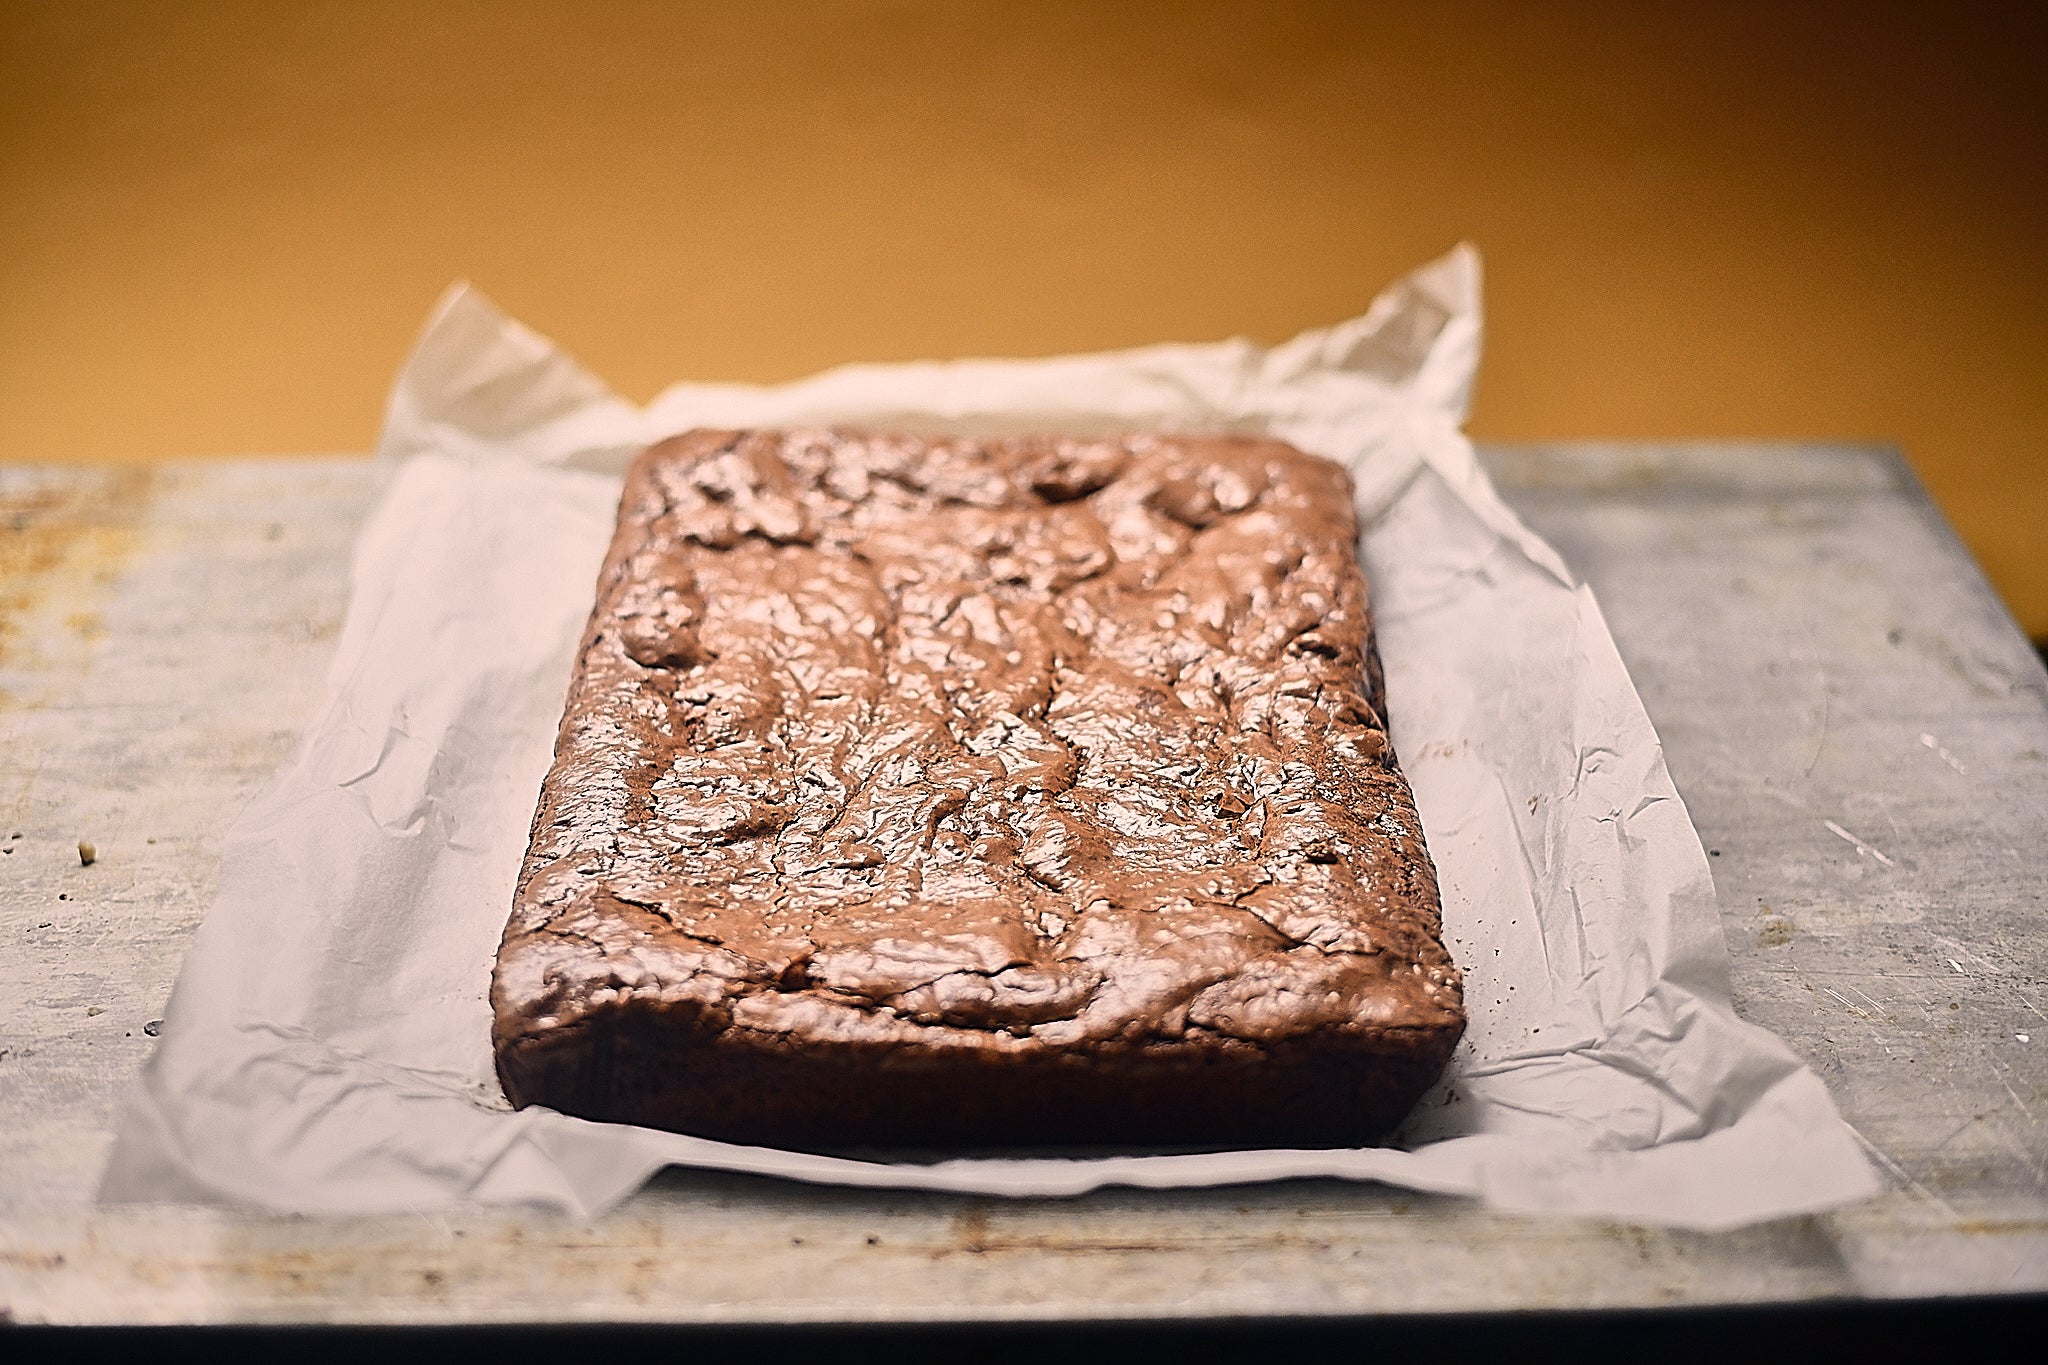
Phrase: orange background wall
(221, 224)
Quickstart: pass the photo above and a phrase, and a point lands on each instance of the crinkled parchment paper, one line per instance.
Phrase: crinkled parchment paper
(327, 1046)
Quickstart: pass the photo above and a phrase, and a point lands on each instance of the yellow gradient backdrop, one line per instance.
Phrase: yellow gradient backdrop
(221, 224)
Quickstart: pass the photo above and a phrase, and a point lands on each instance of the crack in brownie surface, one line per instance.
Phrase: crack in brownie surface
(1054, 758)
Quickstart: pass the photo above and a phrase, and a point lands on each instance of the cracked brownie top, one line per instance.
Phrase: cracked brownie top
(1017, 744)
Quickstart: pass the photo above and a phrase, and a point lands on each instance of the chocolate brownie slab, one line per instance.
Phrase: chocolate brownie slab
(971, 793)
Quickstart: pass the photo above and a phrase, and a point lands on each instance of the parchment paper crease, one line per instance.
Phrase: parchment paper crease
(327, 1049)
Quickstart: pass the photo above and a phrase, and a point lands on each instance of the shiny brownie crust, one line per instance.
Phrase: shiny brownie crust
(978, 793)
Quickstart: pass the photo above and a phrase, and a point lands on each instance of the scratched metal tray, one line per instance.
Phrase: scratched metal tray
(1858, 729)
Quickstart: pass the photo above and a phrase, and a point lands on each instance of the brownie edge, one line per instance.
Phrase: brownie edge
(956, 793)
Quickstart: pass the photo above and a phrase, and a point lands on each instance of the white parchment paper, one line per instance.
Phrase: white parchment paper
(327, 1046)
